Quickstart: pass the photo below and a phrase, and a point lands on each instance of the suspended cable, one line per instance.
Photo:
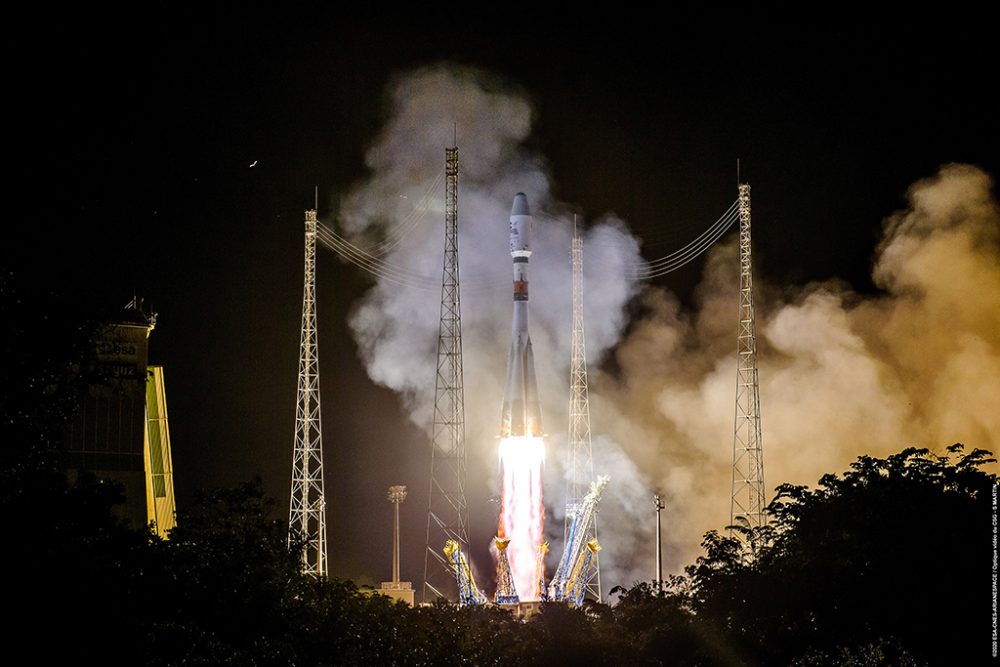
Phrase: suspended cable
(409, 223)
(675, 260)
(679, 258)
(372, 264)
(370, 261)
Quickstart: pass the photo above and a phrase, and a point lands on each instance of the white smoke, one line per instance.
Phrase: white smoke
(841, 374)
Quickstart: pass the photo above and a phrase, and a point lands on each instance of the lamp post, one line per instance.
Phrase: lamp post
(658, 505)
(397, 494)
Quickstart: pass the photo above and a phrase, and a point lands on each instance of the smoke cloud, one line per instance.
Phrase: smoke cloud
(841, 373)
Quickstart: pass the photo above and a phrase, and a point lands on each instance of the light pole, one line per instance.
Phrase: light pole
(397, 494)
(658, 505)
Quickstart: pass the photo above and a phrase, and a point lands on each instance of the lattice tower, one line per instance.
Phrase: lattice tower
(448, 511)
(307, 508)
(581, 457)
(747, 501)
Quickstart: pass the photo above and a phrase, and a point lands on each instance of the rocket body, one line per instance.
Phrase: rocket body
(522, 449)
(520, 415)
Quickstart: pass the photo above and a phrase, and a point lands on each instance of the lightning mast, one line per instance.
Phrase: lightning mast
(747, 501)
(581, 459)
(307, 508)
(448, 512)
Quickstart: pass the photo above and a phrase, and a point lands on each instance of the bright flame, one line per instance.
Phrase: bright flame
(522, 514)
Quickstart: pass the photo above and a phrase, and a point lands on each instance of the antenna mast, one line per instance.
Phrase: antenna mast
(747, 501)
(448, 511)
(581, 459)
(307, 509)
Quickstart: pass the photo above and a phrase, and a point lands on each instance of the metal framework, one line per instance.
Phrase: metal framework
(747, 502)
(307, 509)
(506, 592)
(448, 511)
(575, 584)
(581, 457)
(543, 550)
(468, 592)
(566, 575)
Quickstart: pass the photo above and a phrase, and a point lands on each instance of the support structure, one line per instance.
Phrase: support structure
(468, 592)
(575, 585)
(543, 550)
(658, 506)
(567, 575)
(307, 509)
(747, 501)
(506, 593)
(448, 511)
(581, 458)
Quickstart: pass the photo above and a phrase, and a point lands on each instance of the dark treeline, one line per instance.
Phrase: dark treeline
(888, 563)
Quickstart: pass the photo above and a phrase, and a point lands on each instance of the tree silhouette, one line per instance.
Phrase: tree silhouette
(894, 552)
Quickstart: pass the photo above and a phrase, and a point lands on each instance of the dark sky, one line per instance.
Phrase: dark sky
(129, 172)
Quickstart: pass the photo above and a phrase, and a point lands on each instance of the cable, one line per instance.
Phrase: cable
(679, 258)
(371, 263)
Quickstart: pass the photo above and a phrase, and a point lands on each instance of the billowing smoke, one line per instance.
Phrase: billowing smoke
(841, 374)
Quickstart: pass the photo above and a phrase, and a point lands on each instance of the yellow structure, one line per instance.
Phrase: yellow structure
(160, 506)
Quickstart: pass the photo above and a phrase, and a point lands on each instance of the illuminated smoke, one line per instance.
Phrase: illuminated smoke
(842, 374)
(522, 512)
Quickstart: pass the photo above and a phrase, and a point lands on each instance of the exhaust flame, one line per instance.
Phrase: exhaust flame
(522, 514)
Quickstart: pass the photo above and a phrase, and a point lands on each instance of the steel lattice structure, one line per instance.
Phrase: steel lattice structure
(506, 592)
(307, 509)
(747, 502)
(581, 458)
(468, 591)
(448, 511)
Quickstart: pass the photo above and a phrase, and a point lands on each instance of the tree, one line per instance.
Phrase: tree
(894, 551)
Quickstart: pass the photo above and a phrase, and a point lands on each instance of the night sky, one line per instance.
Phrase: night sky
(129, 173)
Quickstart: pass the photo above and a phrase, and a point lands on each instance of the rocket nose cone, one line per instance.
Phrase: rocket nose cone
(520, 206)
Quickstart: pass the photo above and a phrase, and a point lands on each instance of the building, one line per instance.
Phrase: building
(401, 591)
(120, 432)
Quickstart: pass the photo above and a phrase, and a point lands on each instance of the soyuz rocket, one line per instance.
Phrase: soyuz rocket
(520, 415)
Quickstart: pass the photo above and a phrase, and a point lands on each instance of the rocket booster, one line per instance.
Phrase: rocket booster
(520, 415)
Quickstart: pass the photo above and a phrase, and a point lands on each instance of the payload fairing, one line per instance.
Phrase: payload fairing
(520, 415)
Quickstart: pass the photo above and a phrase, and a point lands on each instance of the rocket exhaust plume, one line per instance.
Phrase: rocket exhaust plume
(522, 450)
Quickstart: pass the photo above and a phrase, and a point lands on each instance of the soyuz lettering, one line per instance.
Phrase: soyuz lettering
(116, 348)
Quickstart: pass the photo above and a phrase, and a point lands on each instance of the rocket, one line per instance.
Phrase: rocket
(520, 415)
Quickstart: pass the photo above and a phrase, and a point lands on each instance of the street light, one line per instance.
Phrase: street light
(397, 494)
(658, 505)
